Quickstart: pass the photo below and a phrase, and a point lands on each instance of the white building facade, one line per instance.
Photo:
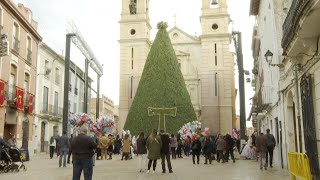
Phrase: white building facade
(288, 87)
(50, 95)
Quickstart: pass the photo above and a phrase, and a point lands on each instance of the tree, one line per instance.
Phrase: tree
(161, 86)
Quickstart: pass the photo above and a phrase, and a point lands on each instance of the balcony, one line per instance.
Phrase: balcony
(10, 95)
(26, 100)
(29, 55)
(16, 44)
(55, 111)
(302, 19)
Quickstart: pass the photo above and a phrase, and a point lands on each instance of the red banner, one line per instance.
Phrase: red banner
(19, 99)
(1, 92)
(30, 103)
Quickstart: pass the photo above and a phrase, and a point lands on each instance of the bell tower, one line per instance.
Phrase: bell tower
(134, 48)
(217, 68)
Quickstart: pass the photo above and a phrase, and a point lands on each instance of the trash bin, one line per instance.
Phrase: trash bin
(24, 154)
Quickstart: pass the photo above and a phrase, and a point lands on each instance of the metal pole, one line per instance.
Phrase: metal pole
(85, 107)
(98, 97)
(296, 66)
(66, 83)
(241, 88)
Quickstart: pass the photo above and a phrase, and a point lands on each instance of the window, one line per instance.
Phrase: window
(215, 55)
(216, 84)
(12, 82)
(74, 107)
(46, 69)
(56, 101)
(29, 49)
(131, 58)
(1, 24)
(45, 99)
(57, 76)
(16, 42)
(131, 86)
(26, 87)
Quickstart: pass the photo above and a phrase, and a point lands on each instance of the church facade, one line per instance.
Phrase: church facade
(205, 61)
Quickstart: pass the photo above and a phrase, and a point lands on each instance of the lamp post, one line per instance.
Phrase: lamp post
(297, 67)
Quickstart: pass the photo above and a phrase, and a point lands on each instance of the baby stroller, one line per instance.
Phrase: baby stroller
(11, 160)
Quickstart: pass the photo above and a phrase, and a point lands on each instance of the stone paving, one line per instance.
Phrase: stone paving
(42, 168)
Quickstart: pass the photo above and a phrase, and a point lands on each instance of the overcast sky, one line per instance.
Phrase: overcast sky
(98, 21)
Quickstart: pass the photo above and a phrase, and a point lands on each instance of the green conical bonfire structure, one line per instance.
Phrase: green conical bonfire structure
(161, 86)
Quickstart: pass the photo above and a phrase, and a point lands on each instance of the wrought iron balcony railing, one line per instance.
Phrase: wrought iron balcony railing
(291, 22)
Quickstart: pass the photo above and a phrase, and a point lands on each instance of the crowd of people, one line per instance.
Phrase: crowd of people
(149, 149)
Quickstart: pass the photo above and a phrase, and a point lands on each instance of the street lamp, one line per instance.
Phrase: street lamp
(214, 2)
(268, 56)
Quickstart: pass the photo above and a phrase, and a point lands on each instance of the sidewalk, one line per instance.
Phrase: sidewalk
(41, 167)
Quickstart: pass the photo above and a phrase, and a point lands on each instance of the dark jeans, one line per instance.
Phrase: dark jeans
(270, 151)
(51, 151)
(193, 157)
(98, 150)
(84, 165)
(163, 158)
(208, 156)
(125, 155)
(173, 151)
(69, 155)
(220, 155)
(63, 153)
(187, 150)
(230, 152)
(154, 164)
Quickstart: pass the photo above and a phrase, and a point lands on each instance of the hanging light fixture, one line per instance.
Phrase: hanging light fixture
(214, 2)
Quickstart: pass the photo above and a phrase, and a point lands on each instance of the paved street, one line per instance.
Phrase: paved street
(42, 168)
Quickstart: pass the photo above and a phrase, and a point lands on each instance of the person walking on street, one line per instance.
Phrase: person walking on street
(196, 149)
(52, 145)
(271, 143)
(229, 148)
(261, 144)
(110, 146)
(126, 147)
(173, 146)
(142, 151)
(154, 145)
(208, 150)
(69, 154)
(103, 144)
(220, 148)
(117, 145)
(165, 151)
(179, 147)
(82, 148)
(64, 146)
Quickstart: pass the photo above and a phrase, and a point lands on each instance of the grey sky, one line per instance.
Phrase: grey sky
(98, 22)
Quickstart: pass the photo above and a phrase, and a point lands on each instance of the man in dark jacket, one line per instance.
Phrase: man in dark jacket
(271, 143)
(196, 149)
(208, 150)
(229, 149)
(82, 147)
(69, 154)
(261, 143)
(64, 146)
(3, 144)
(165, 151)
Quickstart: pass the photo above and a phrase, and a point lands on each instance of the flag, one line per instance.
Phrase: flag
(19, 99)
(1, 92)
(30, 104)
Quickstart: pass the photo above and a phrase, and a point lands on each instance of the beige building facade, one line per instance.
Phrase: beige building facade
(106, 106)
(205, 61)
(18, 73)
